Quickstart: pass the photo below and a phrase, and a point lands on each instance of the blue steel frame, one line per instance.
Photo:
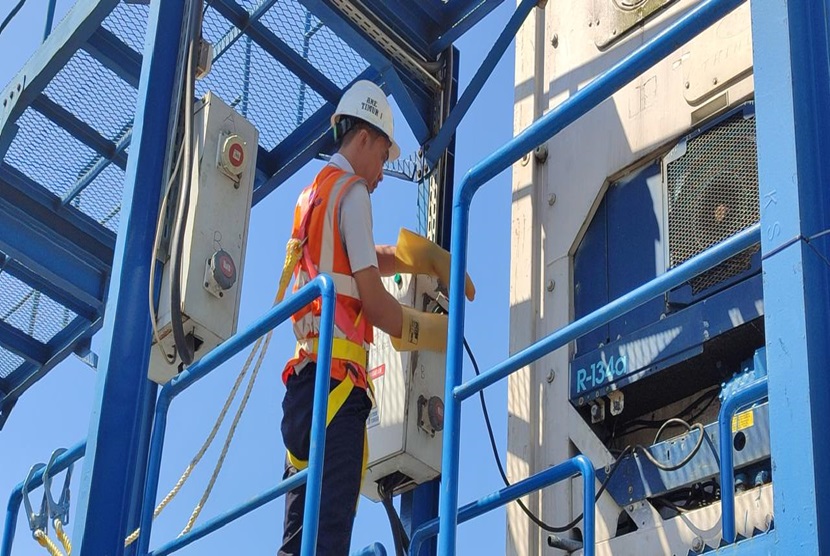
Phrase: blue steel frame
(730, 405)
(312, 476)
(792, 81)
(684, 29)
(434, 149)
(124, 397)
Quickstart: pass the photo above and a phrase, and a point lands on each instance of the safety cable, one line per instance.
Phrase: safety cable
(211, 436)
(43, 540)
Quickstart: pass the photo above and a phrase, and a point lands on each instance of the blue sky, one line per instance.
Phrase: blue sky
(56, 411)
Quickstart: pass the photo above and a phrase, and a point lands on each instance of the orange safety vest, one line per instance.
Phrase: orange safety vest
(317, 227)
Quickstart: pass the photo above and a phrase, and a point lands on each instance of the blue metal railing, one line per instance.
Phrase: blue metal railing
(312, 477)
(730, 405)
(684, 29)
(60, 464)
(580, 465)
(374, 549)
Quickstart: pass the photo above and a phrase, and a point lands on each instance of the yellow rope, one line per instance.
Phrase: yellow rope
(44, 541)
(62, 536)
(293, 252)
(218, 467)
(208, 441)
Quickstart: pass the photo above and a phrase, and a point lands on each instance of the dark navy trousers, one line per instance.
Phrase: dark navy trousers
(342, 466)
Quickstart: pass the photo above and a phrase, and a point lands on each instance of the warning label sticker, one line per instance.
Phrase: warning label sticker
(743, 421)
(377, 372)
(374, 418)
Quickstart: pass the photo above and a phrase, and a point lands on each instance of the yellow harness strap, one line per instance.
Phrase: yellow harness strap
(341, 349)
(337, 398)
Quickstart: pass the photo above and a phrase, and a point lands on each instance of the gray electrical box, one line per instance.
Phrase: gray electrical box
(404, 427)
(216, 234)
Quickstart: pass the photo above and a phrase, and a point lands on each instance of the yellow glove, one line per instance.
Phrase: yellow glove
(421, 330)
(415, 254)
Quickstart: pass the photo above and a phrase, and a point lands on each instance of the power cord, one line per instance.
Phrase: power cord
(398, 531)
(183, 347)
(538, 522)
(628, 449)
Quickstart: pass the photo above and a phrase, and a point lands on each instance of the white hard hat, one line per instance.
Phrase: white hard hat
(366, 101)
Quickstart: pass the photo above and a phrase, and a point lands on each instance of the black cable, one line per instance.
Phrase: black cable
(538, 522)
(183, 347)
(398, 531)
(11, 15)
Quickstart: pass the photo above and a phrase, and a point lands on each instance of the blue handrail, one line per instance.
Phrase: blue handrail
(61, 463)
(579, 465)
(374, 549)
(312, 477)
(730, 405)
(684, 29)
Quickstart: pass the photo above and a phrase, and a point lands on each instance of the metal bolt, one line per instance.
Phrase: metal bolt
(631, 491)
(714, 81)
(525, 159)
(551, 285)
(697, 544)
(607, 469)
(613, 31)
(551, 199)
(631, 507)
(590, 24)
(687, 84)
(551, 376)
(597, 22)
(554, 41)
(541, 153)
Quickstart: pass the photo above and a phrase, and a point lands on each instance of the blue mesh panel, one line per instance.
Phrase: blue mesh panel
(47, 153)
(101, 199)
(315, 42)
(94, 94)
(30, 311)
(129, 23)
(272, 92)
(8, 362)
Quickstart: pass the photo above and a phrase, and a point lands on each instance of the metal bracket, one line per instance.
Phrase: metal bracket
(40, 520)
(59, 509)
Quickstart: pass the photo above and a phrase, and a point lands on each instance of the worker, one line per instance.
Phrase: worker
(333, 223)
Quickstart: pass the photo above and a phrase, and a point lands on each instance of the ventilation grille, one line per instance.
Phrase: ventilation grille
(713, 194)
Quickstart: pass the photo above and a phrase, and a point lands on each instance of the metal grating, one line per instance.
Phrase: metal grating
(94, 94)
(712, 195)
(128, 21)
(9, 362)
(315, 42)
(101, 199)
(47, 153)
(31, 311)
(262, 89)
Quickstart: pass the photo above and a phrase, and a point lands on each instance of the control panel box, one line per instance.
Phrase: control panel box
(215, 237)
(404, 427)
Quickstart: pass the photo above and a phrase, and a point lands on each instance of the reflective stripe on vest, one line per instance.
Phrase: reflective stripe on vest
(317, 225)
